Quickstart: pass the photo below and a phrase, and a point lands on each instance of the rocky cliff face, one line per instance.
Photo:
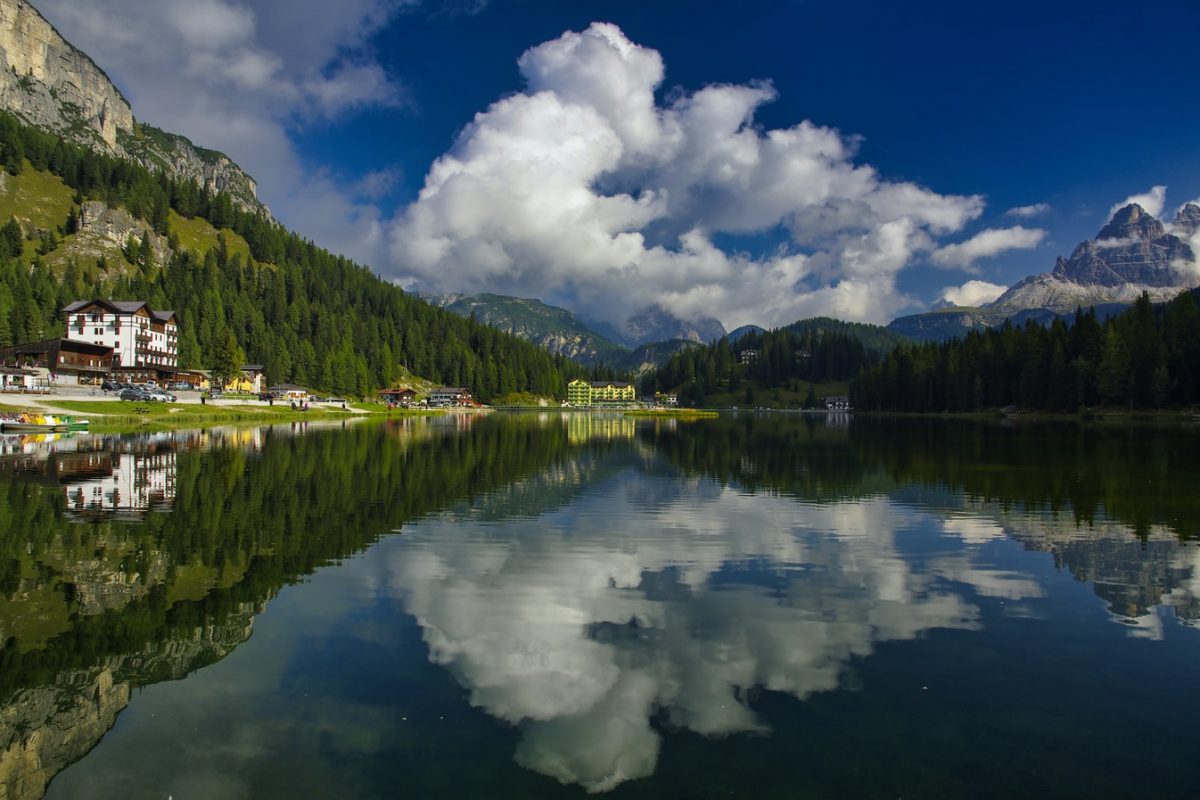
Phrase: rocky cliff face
(50, 84)
(1187, 222)
(1130, 255)
(46, 728)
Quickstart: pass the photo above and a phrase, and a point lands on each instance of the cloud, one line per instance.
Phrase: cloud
(986, 244)
(378, 183)
(1027, 212)
(972, 293)
(241, 77)
(1152, 202)
(583, 191)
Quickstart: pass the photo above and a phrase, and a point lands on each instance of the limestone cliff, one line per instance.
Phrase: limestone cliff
(1130, 255)
(50, 84)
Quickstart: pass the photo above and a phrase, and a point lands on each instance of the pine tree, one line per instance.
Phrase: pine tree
(227, 358)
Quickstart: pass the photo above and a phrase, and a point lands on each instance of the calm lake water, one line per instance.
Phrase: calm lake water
(538, 605)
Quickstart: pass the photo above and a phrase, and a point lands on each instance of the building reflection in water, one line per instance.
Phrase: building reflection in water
(591, 426)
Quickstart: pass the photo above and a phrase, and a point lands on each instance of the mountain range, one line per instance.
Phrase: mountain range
(563, 333)
(49, 84)
(1133, 254)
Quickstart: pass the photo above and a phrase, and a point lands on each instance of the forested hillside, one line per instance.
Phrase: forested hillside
(308, 315)
(1146, 357)
(875, 338)
(791, 359)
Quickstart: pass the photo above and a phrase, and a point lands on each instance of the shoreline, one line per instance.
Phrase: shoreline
(116, 416)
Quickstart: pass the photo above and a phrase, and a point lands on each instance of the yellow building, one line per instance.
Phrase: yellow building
(248, 381)
(590, 393)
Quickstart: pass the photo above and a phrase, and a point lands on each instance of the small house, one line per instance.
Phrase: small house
(450, 396)
(17, 379)
(402, 396)
(289, 391)
(837, 403)
(247, 381)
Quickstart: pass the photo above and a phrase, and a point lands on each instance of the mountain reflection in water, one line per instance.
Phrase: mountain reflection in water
(613, 596)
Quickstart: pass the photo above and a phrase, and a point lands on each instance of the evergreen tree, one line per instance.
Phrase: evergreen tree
(227, 357)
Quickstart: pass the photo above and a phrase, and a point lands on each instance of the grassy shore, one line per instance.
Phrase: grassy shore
(115, 416)
(678, 413)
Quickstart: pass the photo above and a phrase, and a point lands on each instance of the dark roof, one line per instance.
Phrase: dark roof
(46, 345)
(444, 389)
(121, 307)
(602, 384)
(252, 367)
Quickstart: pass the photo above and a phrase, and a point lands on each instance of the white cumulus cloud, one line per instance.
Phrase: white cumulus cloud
(1152, 201)
(986, 244)
(586, 192)
(972, 293)
(1028, 212)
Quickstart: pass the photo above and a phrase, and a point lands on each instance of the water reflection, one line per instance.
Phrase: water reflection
(593, 628)
(597, 584)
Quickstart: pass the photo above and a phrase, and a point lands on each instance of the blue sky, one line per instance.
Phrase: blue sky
(926, 123)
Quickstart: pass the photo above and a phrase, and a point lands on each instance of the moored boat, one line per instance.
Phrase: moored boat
(41, 423)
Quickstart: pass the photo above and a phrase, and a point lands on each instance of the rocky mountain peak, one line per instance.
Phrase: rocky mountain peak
(1132, 254)
(1187, 221)
(47, 82)
(1131, 223)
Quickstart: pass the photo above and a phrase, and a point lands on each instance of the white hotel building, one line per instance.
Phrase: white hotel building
(143, 340)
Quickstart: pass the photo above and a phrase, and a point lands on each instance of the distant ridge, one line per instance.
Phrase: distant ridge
(555, 329)
(738, 333)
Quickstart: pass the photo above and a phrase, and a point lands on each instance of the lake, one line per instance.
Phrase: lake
(551, 605)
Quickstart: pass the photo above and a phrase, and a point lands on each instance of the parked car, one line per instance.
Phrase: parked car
(161, 396)
(180, 386)
(111, 386)
(135, 394)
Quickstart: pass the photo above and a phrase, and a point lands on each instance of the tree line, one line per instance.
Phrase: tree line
(307, 315)
(785, 357)
(1147, 357)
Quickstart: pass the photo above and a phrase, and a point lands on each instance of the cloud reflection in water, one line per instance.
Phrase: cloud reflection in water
(582, 626)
